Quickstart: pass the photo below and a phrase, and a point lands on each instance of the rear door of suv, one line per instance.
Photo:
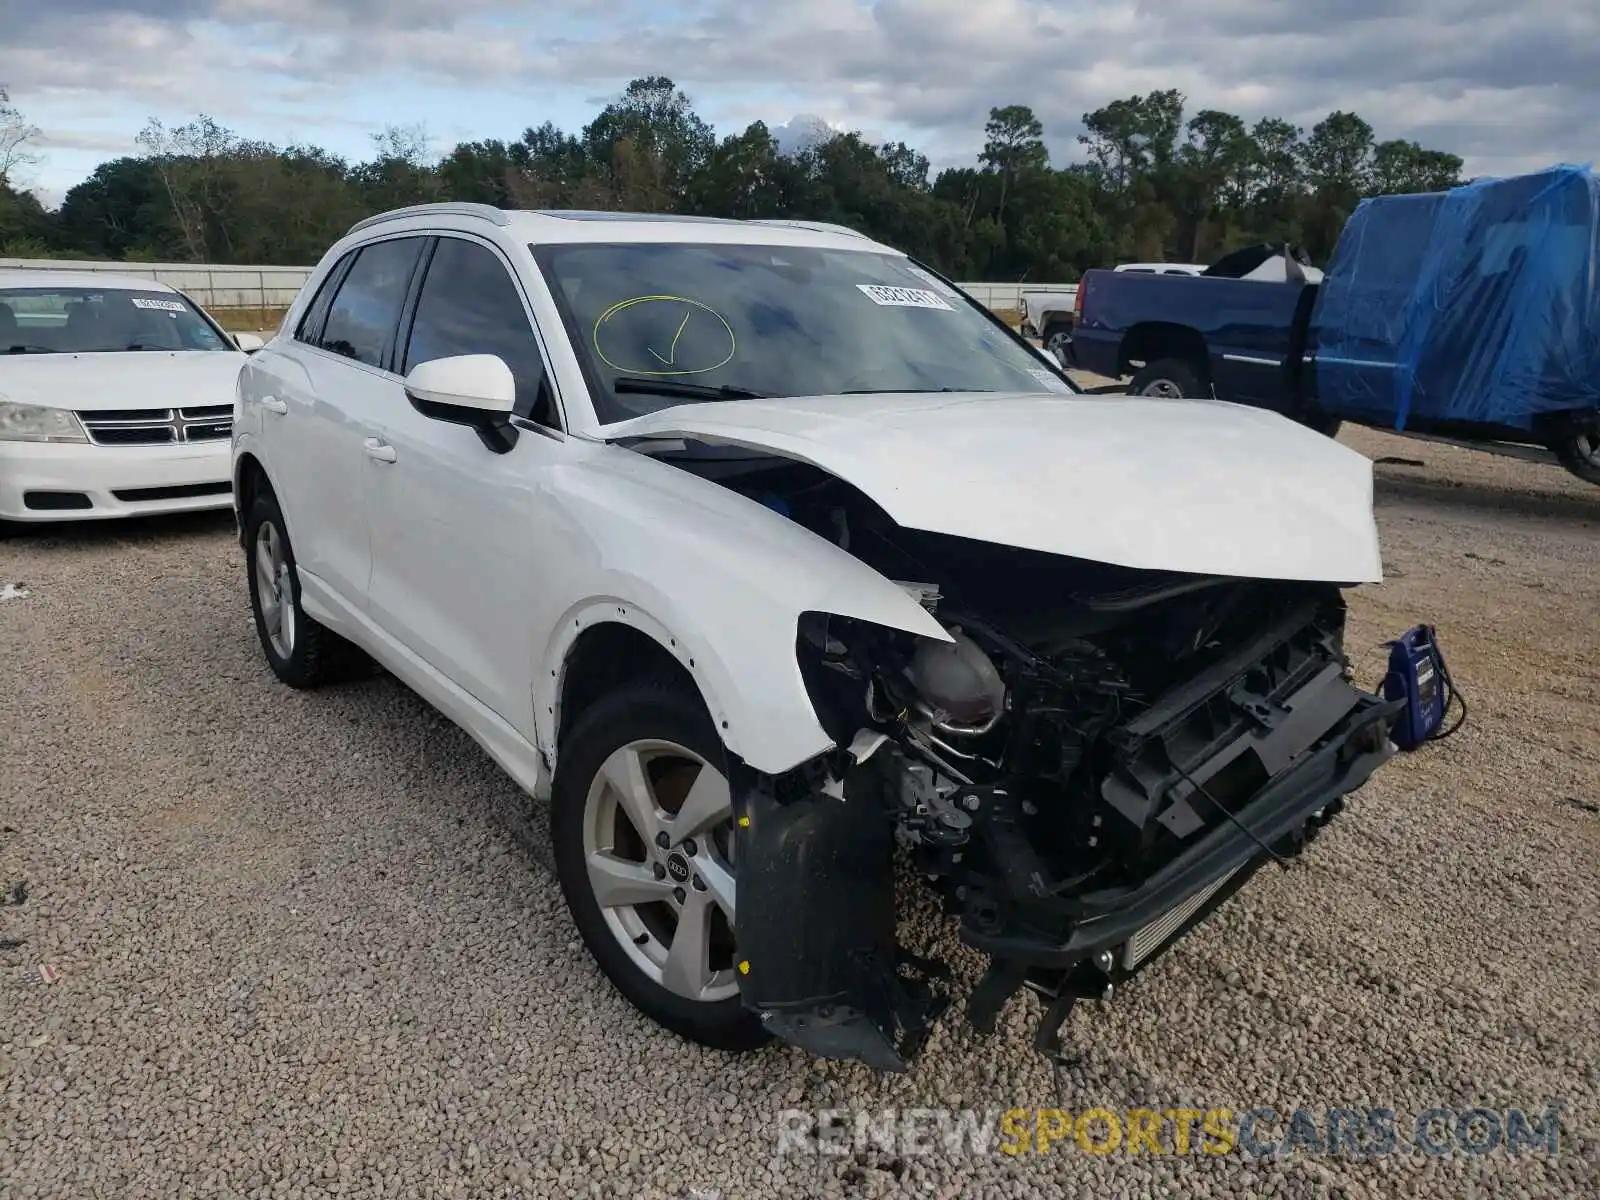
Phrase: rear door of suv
(322, 396)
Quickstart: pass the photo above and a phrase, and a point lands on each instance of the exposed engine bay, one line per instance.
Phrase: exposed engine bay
(1097, 760)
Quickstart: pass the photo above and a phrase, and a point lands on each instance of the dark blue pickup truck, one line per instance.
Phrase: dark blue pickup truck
(1240, 339)
(1472, 314)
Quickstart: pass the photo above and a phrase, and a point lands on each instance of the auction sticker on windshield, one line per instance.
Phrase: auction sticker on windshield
(901, 297)
(158, 305)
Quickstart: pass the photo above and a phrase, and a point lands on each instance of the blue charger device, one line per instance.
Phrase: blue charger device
(1418, 675)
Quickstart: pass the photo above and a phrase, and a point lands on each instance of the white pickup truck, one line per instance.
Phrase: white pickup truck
(1049, 316)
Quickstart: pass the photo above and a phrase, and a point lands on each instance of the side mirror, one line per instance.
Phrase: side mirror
(1050, 356)
(476, 390)
(248, 342)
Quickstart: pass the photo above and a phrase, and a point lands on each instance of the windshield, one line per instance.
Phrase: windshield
(726, 322)
(88, 320)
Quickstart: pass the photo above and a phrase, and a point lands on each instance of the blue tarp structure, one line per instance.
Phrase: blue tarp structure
(1478, 304)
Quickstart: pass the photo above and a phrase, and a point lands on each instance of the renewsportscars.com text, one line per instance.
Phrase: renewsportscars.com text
(1258, 1132)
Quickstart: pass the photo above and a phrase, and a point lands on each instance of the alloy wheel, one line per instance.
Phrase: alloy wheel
(1163, 389)
(658, 852)
(273, 590)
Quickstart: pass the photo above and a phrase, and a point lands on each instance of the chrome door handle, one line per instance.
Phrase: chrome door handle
(273, 405)
(378, 450)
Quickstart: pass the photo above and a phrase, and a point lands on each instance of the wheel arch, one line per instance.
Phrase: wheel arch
(249, 480)
(606, 641)
(609, 654)
(1152, 341)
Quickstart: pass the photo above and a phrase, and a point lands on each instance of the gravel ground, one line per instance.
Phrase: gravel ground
(309, 945)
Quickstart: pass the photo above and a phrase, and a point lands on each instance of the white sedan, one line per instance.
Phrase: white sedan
(116, 398)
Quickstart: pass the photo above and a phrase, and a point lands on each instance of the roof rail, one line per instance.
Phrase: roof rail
(814, 226)
(485, 212)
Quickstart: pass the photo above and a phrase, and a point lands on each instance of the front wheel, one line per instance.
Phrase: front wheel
(1170, 379)
(642, 820)
(1579, 452)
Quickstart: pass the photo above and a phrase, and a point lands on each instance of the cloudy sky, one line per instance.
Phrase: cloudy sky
(1507, 86)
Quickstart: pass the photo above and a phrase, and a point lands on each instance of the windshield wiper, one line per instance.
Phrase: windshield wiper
(639, 385)
(29, 348)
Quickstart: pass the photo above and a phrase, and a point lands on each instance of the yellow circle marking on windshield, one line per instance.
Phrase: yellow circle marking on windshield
(666, 355)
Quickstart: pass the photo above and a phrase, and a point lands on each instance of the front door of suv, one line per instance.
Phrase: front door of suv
(330, 383)
(458, 531)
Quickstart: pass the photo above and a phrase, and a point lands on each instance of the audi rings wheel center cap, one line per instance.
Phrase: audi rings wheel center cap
(678, 868)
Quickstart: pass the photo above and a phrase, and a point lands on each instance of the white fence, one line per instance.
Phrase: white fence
(1009, 295)
(223, 287)
(215, 287)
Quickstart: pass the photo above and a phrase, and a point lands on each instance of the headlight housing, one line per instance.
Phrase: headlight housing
(36, 423)
(850, 666)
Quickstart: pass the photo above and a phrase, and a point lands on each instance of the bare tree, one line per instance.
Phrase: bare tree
(189, 161)
(409, 144)
(16, 134)
(404, 170)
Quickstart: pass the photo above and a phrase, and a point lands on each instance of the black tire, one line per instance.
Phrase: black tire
(1184, 379)
(1058, 331)
(317, 655)
(1579, 452)
(638, 711)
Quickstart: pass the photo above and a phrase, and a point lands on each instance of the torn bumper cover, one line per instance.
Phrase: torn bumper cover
(816, 923)
(817, 907)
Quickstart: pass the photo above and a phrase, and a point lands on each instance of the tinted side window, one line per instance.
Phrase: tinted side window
(469, 305)
(311, 324)
(364, 314)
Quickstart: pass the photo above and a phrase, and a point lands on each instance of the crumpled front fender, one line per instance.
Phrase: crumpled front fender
(720, 582)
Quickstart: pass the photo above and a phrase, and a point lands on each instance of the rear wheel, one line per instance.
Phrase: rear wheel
(1579, 452)
(301, 652)
(642, 820)
(1057, 339)
(1170, 379)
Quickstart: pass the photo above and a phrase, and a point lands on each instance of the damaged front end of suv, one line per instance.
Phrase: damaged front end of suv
(1097, 759)
(1112, 685)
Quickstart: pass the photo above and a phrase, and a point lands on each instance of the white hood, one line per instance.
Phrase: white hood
(1174, 485)
(135, 379)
